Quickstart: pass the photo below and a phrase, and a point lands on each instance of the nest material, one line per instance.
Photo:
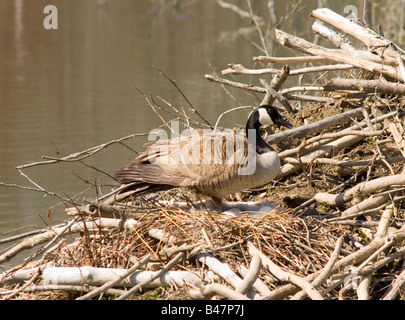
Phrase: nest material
(301, 246)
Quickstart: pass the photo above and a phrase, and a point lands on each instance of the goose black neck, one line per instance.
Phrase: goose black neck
(253, 127)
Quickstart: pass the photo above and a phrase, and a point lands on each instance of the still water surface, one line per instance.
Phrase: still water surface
(66, 90)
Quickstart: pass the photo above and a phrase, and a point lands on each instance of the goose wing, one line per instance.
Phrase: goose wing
(198, 160)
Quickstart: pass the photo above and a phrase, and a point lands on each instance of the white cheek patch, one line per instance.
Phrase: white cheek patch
(264, 118)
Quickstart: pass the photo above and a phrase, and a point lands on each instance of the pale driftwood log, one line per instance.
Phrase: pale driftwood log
(372, 40)
(367, 204)
(20, 275)
(344, 133)
(376, 86)
(236, 68)
(99, 276)
(385, 221)
(361, 190)
(158, 275)
(363, 290)
(302, 45)
(161, 235)
(284, 275)
(214, 289)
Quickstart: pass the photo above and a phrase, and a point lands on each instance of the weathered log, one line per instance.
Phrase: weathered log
(99, 276)
(376, 86)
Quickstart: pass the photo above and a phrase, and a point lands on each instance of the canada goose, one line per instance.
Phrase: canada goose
(214, 164)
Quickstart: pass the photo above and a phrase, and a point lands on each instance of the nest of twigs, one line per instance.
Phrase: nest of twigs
(215, 255)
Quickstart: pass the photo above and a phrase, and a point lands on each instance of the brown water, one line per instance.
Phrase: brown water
(66, 90)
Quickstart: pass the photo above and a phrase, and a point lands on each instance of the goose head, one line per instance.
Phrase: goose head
(268, 115)
(265, 115)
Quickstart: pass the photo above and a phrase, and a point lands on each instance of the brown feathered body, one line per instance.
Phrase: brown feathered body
(211, 163)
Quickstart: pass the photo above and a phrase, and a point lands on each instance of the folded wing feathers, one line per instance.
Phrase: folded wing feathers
(205, 162)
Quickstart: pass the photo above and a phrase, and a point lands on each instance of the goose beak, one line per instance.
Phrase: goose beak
(280, 121)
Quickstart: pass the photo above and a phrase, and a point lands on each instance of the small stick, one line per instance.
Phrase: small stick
(77, 156)
(289, 60)
(173, 82)
(240, 69)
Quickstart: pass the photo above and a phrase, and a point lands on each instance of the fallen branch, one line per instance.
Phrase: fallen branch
(240, 69)
(276, 84)
(374, 41)
(373, 86)
(361, 190)
(302, 45)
